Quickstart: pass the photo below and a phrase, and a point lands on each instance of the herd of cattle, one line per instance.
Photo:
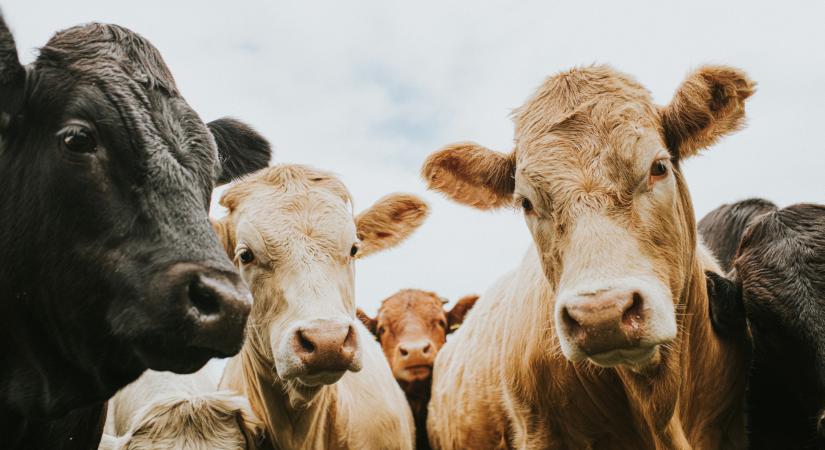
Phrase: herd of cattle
(626, 325)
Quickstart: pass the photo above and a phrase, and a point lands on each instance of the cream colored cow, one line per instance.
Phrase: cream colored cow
(312, 372)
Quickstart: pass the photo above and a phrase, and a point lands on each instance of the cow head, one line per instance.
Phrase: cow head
(106, 175)
(777, 277)
(595, 171)
(412, 326)
(292, 234)
(216, 420)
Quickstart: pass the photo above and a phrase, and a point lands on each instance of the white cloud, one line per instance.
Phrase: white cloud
(369, 89)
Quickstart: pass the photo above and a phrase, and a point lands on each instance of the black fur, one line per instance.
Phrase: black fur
(240, 148)
(779, 274)
(86, 239)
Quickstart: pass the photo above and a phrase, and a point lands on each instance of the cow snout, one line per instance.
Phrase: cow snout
(326, 347)
(603, 321)
(218, 305)
(416, 351)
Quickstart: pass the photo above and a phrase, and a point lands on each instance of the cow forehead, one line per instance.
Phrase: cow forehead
(100, 50)
(411, 305)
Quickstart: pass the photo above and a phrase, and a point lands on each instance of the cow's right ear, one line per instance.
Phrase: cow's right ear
(471, 174)
(368, 322)
(727, 311)
(12, 75)
(241, 150)
(459, 311)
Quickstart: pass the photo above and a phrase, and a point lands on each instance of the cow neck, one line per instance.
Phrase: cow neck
(290, 424)
(34, 361)
(418, 397)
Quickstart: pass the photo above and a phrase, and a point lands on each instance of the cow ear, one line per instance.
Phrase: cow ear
(253, 429)
(226, 236)
(459, 311)
(369, 322)
(471, 174)
(241, 150)
(389, 222)
(727, 311)
(708, 105)
(12, 75)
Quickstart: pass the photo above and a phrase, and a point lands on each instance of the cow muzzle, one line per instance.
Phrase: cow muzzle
(414, 360)
(616, 325)
(319, 352)
(205, 311)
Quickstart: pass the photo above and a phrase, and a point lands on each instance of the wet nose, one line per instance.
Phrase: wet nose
(326, 347)
(605, 320)
(216, 305)
(411, 350)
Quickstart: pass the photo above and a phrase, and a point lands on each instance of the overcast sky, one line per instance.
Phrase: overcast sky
(369, 89)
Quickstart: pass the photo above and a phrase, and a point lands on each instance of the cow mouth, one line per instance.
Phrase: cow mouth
(417, 372)
(636, 357)
(184, 359)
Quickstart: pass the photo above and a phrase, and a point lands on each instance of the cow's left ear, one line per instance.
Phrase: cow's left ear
(241, 150)
(455, 317)
(727, 311)
(12, 74)
(708, 105)
(368, 321)
(389, 222)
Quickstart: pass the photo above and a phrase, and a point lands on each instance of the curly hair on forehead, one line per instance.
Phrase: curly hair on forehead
(217, 420)
(87, 49)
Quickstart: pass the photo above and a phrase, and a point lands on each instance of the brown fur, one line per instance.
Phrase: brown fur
(585, 142)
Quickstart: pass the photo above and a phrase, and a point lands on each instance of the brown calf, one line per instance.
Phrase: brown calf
(412, 326)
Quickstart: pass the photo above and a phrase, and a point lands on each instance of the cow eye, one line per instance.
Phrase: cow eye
(658, 170)
(78, 139)
(354, 250)
(246, 256)
(526, 205)
(381, 331)
(442, 323)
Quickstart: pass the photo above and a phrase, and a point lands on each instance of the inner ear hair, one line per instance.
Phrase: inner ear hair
(708, 105)
(472, 174)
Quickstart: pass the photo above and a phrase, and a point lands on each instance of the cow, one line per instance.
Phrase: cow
(162, 410)
(777, 283)
(109, 263)
(412, 326)
(313, 373)
(601, 337)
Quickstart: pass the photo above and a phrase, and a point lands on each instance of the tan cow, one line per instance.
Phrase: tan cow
(165, 411)
(601, 337)
(412, 326)
(313, 373)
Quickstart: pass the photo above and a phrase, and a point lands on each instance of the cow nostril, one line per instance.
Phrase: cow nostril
(633, 314)
(571, 323)
(426, 348)
(403, 351)
(203, 298)
(305, 343)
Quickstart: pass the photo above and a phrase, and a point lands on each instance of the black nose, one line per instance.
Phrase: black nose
(215, 306)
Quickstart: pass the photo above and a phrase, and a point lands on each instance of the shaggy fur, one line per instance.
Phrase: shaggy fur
(298, 223)
(778, 285)
(162, 411)
(410, 318)
(586, 143)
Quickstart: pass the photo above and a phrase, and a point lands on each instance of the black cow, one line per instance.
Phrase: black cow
(108, 263)
(778, 281)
